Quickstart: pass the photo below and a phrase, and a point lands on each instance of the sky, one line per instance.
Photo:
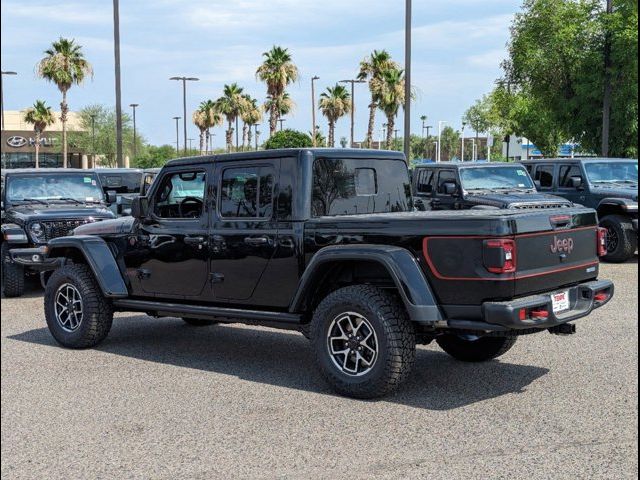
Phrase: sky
(458, 46)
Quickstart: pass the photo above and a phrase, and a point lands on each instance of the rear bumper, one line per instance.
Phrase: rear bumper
(582, 299)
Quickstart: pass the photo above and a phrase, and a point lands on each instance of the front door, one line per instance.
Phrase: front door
(442, 200)
(565, 187)
(245, 229)
(174, 239)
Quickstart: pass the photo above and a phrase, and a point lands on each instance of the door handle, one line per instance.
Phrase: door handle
(194, 240)
(256, 241)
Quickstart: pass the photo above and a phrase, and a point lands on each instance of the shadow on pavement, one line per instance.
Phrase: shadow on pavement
(285, 359)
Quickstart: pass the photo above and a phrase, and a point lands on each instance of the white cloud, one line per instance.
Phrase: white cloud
(66, 12)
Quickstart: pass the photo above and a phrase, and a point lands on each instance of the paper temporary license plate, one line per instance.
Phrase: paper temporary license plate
(560, 302)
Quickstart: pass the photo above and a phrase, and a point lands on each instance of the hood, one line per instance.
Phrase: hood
(617, 191)
(117, 226)
(28, 213)
(518, 200)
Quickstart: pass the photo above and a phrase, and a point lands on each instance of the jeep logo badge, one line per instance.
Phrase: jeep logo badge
(16, 141)
(564, 245)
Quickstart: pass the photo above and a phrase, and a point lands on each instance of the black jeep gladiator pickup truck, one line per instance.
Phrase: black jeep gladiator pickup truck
(465, 185)
(326, 242)
(39, 205)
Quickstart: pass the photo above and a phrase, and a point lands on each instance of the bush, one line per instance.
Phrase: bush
(289, 139)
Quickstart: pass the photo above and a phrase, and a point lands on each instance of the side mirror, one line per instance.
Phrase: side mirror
(111, 197)
(576, 182)
(449, 188)
(139, 207)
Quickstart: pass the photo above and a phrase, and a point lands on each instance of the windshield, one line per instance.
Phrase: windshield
(51, 187)
(612, 172)
(496, 178)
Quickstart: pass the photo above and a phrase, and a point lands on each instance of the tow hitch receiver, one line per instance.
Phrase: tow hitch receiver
(564, 329)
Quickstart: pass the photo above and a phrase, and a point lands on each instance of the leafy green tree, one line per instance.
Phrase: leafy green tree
(40, 116)
(557, 57)
(478, 117)
(288, 139)
(334, 104)
(64, 65)
(154, 157)
(277, 71)
(450, 143)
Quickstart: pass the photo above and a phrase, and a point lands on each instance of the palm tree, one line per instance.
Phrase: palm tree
(334, 104)
(40, 116)
(283, 104)
(251, 115)
(391, 92)
(214, 119)
(372, 68)
(64, 64)
(278, 71)
(231, 105)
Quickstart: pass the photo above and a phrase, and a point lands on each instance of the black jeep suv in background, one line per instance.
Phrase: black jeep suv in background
(40, 205)
(326, 242)
(608, 185)
(460, 186)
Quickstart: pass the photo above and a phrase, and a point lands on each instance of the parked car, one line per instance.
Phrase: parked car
(608, 185)
(40, 205)
(125, 182)
(326, 241)
(148, 176)
(460, 186)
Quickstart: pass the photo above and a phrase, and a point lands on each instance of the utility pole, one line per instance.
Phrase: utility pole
(464, 125)
(606, 102)
(184, 81)
(177, 119)
(135, 137)
(314, 127)
(257, 137)
(353, 107)
(116, 46)
(407, 79)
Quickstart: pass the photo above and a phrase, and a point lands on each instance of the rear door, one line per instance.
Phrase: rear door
(245, 230)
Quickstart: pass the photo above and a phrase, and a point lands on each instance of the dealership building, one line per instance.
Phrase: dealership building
(19, 140)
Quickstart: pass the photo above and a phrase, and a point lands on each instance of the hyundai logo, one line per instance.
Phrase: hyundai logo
(16, 141)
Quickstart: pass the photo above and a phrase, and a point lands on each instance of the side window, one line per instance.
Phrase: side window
(544, 175)
(529, 169)
(444, 177)
(425, 181)
(566, 173)
(366, 181)
(181, 195)
(247, 192)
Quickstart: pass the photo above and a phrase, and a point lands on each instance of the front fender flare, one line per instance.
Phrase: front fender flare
(99, 258)
(400, 263)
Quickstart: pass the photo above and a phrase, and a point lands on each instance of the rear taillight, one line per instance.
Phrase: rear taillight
(602, 242)
(500, 256)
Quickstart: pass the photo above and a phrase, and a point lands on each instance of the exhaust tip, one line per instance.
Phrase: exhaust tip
(564, 329)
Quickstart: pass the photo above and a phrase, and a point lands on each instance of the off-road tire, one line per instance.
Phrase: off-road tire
(395, 334)
(481, 350)
(198, 322)
(12, 275)
(627, 238)
(97, 310)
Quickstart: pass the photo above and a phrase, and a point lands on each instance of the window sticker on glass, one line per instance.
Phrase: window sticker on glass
(522, 173)
(89, 180)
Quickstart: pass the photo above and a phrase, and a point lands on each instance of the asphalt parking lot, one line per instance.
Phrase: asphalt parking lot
(161, 400)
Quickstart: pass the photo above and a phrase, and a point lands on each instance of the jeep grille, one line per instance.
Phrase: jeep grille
(61, 228)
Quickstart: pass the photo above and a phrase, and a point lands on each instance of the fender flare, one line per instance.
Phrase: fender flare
(100, 259)
(615, 202)
(400, 263)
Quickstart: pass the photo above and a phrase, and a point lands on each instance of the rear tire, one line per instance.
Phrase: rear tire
(373, 329)
(197, 322)
(12, 275)
(623, 240)
(477, 350)
(77, 314)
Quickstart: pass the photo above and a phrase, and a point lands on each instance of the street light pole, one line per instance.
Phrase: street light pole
(116, 48)
(353, 107)
(177, 119)
(440, 123)
(184, 81)
(313, 110)
(407, 79)
(2, 94)
(464, 125)
(282, 120)
(135, 138)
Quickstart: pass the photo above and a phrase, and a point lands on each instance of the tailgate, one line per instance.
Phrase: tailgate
(566, 255)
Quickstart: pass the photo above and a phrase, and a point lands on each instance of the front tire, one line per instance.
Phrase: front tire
(622, 240)
(12, 275)
(77, 314)
(473, 349)
(363, 340)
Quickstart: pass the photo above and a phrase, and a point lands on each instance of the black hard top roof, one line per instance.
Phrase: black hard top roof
(291, 152)
(467, 165)
(117, 170)
(579, 159)
(39, 171)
